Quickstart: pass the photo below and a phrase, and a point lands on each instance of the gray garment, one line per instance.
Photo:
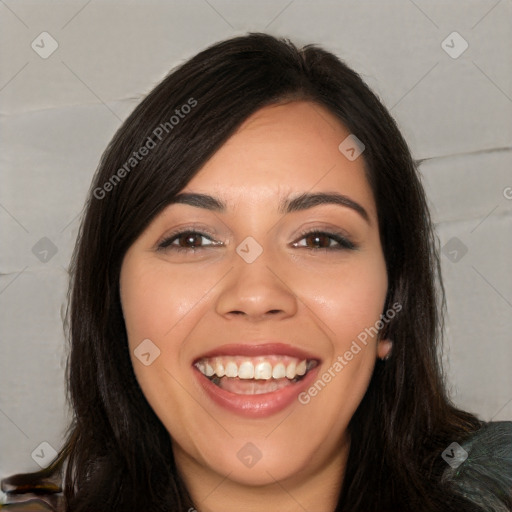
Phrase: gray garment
(485, 476)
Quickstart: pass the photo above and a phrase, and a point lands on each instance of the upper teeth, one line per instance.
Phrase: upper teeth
(264, 368)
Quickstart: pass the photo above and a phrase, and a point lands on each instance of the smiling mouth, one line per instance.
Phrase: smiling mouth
(254, 375)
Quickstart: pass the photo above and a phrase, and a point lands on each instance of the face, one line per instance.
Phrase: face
(252, 292)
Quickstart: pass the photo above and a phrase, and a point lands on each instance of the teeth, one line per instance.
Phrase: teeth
(290, 370)
(246, 370)
(209, 370)
(279, 371)
(301, 368)
(231, 369)
(263, 371)
(259, 368)
(219, 369)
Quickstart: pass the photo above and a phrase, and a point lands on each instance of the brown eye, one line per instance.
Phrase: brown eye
(187, 240)
(324, 240)
(318, 240)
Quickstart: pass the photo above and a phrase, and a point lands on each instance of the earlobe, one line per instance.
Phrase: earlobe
(384, 349)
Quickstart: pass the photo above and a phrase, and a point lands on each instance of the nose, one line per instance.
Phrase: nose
(257, 291)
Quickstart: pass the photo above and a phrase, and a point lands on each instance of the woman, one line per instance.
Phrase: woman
(254, 310)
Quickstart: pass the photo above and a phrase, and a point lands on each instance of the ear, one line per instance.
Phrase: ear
(384, 349)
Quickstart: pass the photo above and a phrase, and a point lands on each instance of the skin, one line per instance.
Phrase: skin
(297, 292)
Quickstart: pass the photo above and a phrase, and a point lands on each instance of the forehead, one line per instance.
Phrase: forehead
(283, 150)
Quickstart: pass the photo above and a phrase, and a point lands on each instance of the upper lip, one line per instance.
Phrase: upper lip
(258, 349)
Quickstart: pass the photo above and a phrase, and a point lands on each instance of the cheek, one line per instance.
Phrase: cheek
(350, 307)
(154, 300)
(351, 300)
(155, 306)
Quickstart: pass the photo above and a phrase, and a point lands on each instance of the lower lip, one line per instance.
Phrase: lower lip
(256, 406)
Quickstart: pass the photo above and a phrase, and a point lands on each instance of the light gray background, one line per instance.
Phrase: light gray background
(58, 114)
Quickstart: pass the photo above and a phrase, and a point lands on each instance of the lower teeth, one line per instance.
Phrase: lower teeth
(217, 380)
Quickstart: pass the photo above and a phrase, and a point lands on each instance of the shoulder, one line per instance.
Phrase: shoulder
(480, 468)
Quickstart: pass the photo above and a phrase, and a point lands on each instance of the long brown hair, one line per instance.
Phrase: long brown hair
(119, 454)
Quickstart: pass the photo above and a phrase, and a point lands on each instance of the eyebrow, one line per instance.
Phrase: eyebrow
(301, 202)
(309, 200)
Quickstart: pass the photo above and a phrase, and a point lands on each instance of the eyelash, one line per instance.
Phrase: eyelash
(167, 243)
(341, 239)
(343, 242)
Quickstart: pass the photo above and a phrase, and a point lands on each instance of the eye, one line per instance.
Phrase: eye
(189, 240)
(324, 240)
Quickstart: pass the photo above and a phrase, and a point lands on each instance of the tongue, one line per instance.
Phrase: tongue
(251, 386)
